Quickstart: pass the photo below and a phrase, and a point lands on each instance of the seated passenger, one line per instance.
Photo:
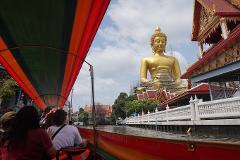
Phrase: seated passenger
(27, 141)
(7, 122)
(63, 135)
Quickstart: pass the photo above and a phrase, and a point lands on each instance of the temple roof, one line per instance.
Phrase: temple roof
(215, 9)
(213, 51)
(229, 72)
(151, 94)
(220, 7)
(199, 89)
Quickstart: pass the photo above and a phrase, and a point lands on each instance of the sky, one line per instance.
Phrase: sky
(123, 39)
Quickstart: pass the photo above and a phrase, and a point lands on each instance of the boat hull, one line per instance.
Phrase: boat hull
(129, 147)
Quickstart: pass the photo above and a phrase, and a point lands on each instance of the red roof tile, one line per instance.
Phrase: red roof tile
(151, 94)
(140, 96)
(202, 88)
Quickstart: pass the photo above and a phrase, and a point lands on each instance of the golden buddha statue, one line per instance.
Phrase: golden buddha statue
(164, 70)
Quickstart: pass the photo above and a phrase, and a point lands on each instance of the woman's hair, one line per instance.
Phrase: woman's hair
(27, 118)
(59, 117)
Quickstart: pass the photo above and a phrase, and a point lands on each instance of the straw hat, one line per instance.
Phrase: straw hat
(6, 119)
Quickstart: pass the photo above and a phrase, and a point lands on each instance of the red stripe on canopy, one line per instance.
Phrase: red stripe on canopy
(95, 16)
(13, 68)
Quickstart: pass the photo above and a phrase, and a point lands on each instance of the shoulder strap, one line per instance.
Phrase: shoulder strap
(57, 131)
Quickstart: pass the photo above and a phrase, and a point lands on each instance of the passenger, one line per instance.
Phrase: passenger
(27, 141)
(7, 123)
(63, 135)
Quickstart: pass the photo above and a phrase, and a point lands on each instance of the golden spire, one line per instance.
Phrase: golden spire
(157, 30)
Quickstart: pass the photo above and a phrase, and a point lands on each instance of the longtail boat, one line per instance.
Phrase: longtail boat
(43, 45)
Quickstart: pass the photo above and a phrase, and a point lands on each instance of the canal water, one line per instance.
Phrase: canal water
(167, 135)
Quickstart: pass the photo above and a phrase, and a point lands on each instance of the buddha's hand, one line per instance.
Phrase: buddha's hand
(145, 81)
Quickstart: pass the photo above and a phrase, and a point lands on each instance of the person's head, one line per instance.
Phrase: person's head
(28, 118)
(158, 41)
(8, 120)
(59, 117)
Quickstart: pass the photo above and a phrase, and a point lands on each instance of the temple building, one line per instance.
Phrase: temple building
(102, 110)
(201, 91)
(217, 23)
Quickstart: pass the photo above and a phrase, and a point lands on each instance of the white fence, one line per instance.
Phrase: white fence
(220, 111)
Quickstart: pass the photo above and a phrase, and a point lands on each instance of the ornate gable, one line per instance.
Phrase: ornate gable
(236, 3)
(208, 23)
(207, 18)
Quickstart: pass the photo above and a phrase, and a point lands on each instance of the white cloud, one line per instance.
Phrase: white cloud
(125, 39)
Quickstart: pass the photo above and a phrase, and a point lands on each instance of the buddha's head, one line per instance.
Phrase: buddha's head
(158, 41)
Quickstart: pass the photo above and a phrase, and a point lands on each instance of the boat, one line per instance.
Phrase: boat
(129, 147)
(43, 45)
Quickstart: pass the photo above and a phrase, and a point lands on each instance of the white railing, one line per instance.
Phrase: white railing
(195, 111)
(180, 113)
(223, 108)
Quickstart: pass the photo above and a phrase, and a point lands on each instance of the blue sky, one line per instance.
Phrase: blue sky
(124, 38)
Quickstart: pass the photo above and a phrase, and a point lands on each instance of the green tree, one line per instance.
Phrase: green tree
(136, 106)
(83, 116)
(132, 97)
(81, 110)
(7, 88)
(119, 106)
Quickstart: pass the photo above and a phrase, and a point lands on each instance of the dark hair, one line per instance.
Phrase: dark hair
(59, 117)
(27, 118)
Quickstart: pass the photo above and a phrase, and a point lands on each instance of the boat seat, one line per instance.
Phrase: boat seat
(72, 153)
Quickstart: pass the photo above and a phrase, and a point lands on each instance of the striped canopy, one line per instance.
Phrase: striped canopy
(43, 44)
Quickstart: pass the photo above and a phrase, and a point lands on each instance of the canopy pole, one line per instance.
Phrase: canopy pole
(70, 108)
(93, 111)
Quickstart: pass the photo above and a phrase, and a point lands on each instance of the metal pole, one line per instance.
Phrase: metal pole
(69, 108)
(93, 111)
(210, 90)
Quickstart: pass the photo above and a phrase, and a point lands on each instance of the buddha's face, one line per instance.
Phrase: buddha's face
(159, 44)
